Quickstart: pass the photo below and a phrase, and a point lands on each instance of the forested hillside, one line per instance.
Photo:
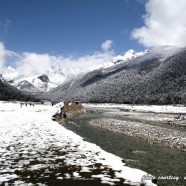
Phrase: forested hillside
(8, 92)
(150, 79)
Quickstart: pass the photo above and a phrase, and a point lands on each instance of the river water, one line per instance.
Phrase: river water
(168, 165)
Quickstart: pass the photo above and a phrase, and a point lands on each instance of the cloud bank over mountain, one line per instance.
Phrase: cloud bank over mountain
(27, 63)
(164, 24)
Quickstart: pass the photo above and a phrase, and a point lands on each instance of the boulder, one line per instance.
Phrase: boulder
(68, 110)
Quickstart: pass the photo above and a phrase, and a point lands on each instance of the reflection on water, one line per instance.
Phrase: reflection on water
(154, 159)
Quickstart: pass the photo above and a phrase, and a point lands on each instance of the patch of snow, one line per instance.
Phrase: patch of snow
(44, 145)
(7, 177)
(130, 54)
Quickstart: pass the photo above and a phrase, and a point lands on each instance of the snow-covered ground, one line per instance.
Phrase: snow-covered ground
(142, 108)
(33, 148)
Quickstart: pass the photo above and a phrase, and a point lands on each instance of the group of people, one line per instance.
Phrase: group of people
(29, 104)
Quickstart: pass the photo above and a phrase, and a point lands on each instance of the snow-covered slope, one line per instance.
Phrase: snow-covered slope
(26, 86)
(157, 77)
(9, 73)
(34, 148)
(8, 92)
(57, 75)
(130, 54)
(35, 82)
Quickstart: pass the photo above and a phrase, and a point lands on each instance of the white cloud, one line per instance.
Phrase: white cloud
(106, 45)
(164, 24)
(33, 64)
(2, 56)
(37, 64)
(7, 56)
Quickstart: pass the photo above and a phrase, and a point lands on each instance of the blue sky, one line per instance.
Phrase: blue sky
(76, 27)
(81, 35)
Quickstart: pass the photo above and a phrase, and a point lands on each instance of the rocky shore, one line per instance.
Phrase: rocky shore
(155, 128)
(163, 128)
(152, 134)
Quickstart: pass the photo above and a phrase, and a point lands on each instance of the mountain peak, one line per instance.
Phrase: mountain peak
(130, 54)
(152, 78)
(26, 86)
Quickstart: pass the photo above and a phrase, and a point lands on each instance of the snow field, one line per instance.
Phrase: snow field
(30, 142)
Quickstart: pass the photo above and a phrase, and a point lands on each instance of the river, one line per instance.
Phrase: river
(167, 164)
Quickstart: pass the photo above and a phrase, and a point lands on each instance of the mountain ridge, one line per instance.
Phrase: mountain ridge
(8, 92)
(154, 78)
(55, 76)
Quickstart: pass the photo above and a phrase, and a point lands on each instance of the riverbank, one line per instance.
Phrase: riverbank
(68, 110)
(156, 159)
(34, 150)
(162, 125)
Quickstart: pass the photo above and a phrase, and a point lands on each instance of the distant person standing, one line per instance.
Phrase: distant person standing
(64, 115)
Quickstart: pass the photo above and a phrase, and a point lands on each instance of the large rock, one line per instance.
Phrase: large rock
(72, 109)
(69, 110)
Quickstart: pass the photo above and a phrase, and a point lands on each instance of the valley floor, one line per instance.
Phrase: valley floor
(164, 125)
(34, 150)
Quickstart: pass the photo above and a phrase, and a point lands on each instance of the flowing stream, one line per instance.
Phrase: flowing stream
(168, 165)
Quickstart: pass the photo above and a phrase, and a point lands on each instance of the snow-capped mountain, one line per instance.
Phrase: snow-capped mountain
(26, 86)
(35, 82)
(31, 84)
(8, 92)
(158, 77)
(57, 75)
(130, 54)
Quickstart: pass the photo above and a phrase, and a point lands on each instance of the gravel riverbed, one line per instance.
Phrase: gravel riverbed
(154, 128)
(153, 134)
